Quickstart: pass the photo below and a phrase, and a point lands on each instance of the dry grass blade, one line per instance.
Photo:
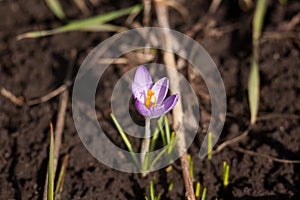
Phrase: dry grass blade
(82, 6)
(179, 8)
(56, 8)
(61, 176)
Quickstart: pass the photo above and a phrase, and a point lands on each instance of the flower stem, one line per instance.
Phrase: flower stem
(145, 143)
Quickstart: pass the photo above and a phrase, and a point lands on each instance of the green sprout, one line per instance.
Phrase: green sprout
(125, 139)
(171, 185)
(226, 169)
(152, 193)
(198, 188)
(147, 164)
(203, 197)
(191, 165)
(209, 145)
(50, 190)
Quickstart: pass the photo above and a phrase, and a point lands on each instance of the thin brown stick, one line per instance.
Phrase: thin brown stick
(282, 35)
(61, 119)
(231, 141)
(147, 11)
(50, 95)
(169, 59)
(214, 6)
(10, 96)
(253, 153)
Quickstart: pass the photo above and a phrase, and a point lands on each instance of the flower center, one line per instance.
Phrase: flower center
(150, 99)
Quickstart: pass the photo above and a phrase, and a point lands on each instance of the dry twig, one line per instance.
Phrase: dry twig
(50, 95)
(232, 141)
(252, 153)
(10, 96)
(169, 59)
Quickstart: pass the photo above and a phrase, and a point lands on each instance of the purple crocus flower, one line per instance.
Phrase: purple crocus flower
(150, 98)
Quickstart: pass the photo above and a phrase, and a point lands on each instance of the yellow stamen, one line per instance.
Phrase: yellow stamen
(150, 94)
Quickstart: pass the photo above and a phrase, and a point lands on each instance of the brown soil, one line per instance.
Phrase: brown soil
(33, 67)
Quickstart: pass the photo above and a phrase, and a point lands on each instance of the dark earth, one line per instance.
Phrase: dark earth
(32, 68)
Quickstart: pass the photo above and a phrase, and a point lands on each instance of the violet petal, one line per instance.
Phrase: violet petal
(160, 89)
(142, 109)
(142, 77)
(170, 102)
(165, 107)
(139, 92)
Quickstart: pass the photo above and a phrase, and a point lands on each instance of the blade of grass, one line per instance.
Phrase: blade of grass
(171, 185)
(203, 194)
(103, 27)
(209, 145)
(225, 174)
(191, 164)
(172, 143)
(253, 83)
(51, 165)
(197, 191)
(152, 195)
(125, 139)
(156, 134)
(162, 132)
(61, 175)
(56, 8)
(167, 129)
(86, 24)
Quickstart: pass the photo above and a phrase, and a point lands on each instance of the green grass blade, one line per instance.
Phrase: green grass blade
(103, 27)
(225, 174)
(125, 139)
(171, 185)
(86, 24)
(209, 145)
(191, 165)
(162, 132)
(253, 83)
(172, 145)
(56, 8)
(50, 189)
(203, 194)
(155, 135)
(167, 129)
(253, 91)
(258, 19)
(152, 195)
(197, 191)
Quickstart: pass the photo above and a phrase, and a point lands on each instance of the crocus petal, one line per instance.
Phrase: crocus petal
(160, 89)
(142, 77)
(141, 84)
(142, 109)
(139, 92)
(165, 107)
(170, 102)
